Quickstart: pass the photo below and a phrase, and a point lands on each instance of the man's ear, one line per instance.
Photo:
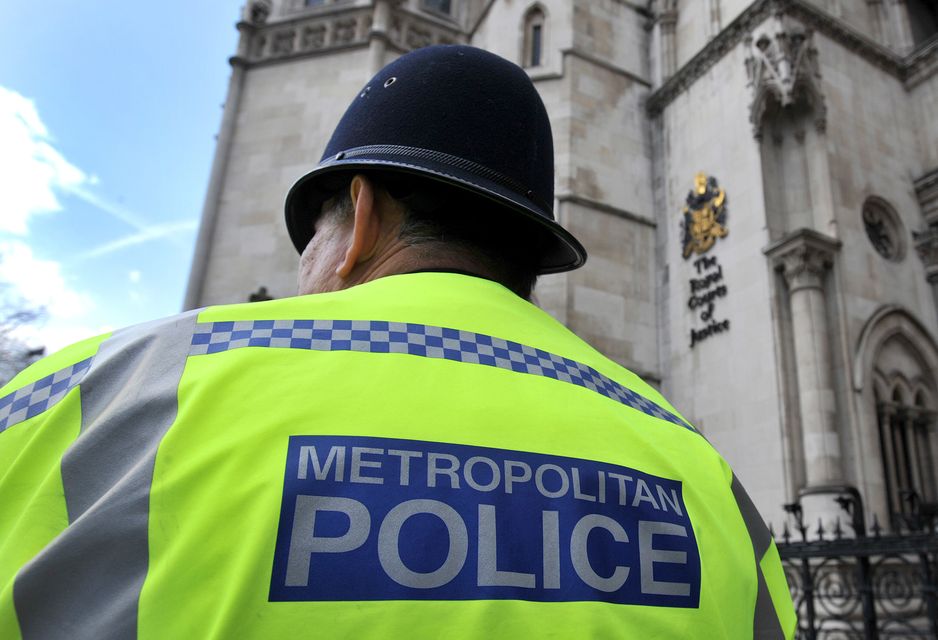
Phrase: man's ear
(367, 226)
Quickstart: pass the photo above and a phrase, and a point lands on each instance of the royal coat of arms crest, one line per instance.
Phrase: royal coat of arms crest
(704, 215)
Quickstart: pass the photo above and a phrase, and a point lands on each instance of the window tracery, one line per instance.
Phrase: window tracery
(906, 425)
(883, 229)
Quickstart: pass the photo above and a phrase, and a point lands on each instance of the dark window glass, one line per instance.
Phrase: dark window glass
(536, 45)
(315, 3)
(440, 6)
(923, 18)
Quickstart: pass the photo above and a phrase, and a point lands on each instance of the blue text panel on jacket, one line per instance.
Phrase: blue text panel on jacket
(368, 518)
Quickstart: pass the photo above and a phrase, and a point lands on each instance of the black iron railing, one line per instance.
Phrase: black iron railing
(851, 585)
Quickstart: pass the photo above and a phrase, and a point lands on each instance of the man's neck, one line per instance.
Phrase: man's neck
(402, 258)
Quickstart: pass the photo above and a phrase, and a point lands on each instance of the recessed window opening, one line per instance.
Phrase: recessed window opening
(535, 31)
(536, 45)
(439, 6)
(923, 18)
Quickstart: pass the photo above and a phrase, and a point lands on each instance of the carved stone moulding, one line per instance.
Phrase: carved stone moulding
(409, 31)
(808, 13)
(926, 189)
(921, 65)
(926, 245)
(257, 11)
(663, 12)
(926, 240)
(803, 256)
(309, 33)
(782, 67)
(342, 25)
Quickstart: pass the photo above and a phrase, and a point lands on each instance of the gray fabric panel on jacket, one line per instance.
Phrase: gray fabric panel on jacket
(758, 532)
(87, 582)
(765, 622)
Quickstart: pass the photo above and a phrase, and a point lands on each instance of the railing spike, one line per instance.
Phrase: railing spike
(838, 531)
(876, 529)
(820, 529)
(786, 534)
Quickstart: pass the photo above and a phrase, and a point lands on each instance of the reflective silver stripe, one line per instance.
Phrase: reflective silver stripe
(765, 622)
(87, 582)
(758, 532)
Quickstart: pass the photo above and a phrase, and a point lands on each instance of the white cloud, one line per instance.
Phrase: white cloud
(40, 282)
(31, 169)
(33, 173)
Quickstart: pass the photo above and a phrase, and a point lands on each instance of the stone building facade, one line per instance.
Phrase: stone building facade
(756, 184)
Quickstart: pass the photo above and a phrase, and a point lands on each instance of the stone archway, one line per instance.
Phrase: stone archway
(895, 377)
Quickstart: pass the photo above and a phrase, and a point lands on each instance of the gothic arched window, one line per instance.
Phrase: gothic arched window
(897, 370)
(535, 32)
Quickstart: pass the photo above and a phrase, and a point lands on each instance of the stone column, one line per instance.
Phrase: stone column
(926, 245)
(667, 21)
(803, 257)
(926, 240)
(876, 21)
(930, 431)
(258, 12)
(378, 38)
(901, 31)
(887, 421)
(663, 23)
(716, 22)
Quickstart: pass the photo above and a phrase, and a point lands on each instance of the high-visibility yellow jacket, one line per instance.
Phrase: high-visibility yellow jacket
(422, 456)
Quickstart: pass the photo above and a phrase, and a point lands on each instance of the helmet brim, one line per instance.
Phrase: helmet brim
(561, 251)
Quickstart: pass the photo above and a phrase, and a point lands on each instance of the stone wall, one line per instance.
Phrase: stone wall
(612, 300)
(593, 81)
(612, 32)
(691, 30)
(856, 14)
(727, 384)
(287, 112)
(502, 31)
(873, 152)
(924, 97)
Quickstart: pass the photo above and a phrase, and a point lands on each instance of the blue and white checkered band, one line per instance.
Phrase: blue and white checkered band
(35, 398)
(374, 336)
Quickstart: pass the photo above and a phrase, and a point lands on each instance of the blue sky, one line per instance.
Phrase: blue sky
(108, 119)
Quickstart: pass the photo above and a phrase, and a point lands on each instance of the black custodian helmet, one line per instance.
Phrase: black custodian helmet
(459, 116)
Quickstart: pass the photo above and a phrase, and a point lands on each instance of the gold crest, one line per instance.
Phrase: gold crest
(704, 215)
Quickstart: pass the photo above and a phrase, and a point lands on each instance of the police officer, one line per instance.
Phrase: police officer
(407, 449)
